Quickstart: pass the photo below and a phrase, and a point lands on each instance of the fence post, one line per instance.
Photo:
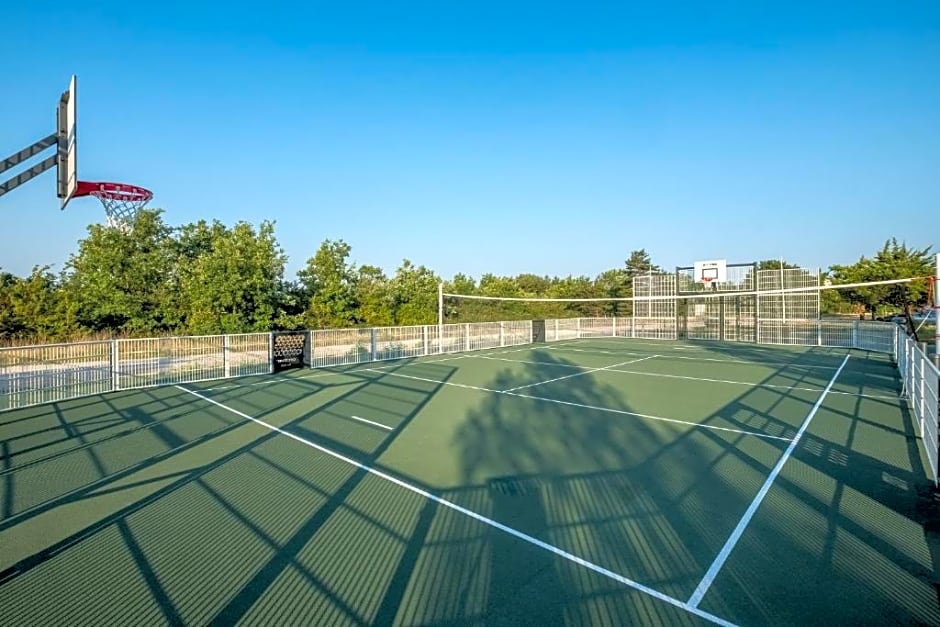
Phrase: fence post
(226, 362)
(115, 373)
(270, 352)
(467, 331)
(502, 335)
(372, 344)
(424, 336)
(310, 348)
(923, 385)
(855, 334)
(613, 327)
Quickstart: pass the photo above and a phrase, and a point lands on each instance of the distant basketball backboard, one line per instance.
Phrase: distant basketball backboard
(67, 144)
(711, 272)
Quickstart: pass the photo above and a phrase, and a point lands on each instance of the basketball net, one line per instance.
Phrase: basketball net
(121, 202)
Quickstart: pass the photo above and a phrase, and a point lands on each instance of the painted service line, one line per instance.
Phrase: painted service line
(610, 410)
(722, 557)
(578, 374)
(375, 424)
(479, 517)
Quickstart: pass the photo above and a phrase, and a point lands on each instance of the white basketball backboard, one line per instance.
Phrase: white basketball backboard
(711, 272)
(66, 129)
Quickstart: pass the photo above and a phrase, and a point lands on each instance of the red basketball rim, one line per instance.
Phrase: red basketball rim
(113, 191)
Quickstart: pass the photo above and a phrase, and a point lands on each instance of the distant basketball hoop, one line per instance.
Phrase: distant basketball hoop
(121, 202)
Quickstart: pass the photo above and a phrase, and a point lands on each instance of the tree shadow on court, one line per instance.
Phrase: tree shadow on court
(657, 503)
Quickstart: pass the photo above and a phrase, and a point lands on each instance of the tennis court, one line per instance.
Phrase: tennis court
(601, 481)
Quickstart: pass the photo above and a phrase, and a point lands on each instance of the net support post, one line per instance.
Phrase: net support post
(467, 335)
(855, 324)
(440, 317)
(424, 337)
(372, 344)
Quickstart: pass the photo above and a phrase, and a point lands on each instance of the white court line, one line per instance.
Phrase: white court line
(709, 577)
(376, 424)
(610, 410)
(578, 374)
(690, 378)
(746, 362)
(483, 519)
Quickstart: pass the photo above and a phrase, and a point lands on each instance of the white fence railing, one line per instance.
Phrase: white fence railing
(921, 385)
(32, 375)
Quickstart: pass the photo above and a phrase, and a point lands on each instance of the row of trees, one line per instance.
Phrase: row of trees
(204, 278)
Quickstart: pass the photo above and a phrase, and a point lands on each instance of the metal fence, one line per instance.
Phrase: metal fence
(32, 375)
(921, 389)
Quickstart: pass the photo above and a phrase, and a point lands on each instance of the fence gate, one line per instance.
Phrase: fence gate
(288, 350)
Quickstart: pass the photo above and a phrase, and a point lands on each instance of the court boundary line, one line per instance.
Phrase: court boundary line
(702, 588)
(601, 351)
(479, 517)
(611, 410)
(882, 397)
(578, 374)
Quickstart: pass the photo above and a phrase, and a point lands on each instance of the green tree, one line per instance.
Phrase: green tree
(292, 302)
(639, 262)
(28, 306)
(577, 287)
(124, 281)
(614, 283)
(893, 261)
(373, 293)
(775, 264)
(533, 285)
(234, 287)
(414, 294)
(330, 283)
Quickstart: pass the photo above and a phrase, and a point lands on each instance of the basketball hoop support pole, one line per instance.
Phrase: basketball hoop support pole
(30, 151)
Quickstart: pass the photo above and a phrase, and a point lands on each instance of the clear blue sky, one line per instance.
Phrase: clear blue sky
(499, 137)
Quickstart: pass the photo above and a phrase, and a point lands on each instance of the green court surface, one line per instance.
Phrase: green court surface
(600, 481)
